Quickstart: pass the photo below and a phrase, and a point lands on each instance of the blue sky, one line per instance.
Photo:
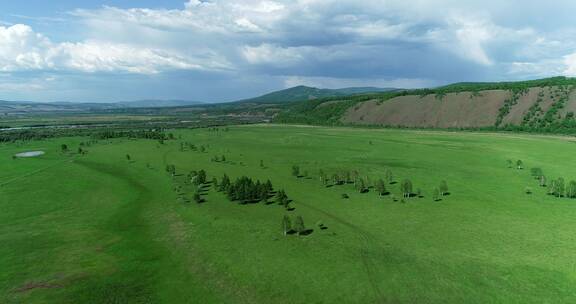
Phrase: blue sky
(219, 50)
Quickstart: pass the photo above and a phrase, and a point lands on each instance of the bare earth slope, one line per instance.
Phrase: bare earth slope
(458, 110)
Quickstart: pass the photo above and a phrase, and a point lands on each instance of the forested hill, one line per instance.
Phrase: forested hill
(544, 105)
(300, 93)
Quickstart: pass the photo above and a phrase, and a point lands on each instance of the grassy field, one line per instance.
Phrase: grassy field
(101, 229)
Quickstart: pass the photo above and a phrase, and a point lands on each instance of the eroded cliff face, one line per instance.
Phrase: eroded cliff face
(467, 109)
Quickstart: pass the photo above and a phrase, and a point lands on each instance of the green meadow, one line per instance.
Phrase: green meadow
(99, 228)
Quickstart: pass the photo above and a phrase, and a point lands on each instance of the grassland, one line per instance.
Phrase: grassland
(101, 229)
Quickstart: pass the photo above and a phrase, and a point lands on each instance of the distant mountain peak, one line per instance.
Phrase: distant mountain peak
(302, 92)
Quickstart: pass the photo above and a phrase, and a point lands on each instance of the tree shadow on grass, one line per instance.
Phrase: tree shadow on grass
(306, 232)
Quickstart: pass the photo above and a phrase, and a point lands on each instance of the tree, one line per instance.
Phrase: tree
(519, 165)
(223, 158)
(536, 173)
(443, 188)
(406, 188)
(295, 171)
(551, 187)
(261, 164)
(528, 190)
(197, 197)
(282, 198)
(388, 177)
(128, 157)
(380, 187)
(201, 177)
(171, 169)
(224, 184)
(559, 192)
(542, 181)
(509, 163)
(335, 179)
(286, 225)
(299, 225)
(361, 185)
(64, 148)
(436, 194)
(571, 189)
(355, 174)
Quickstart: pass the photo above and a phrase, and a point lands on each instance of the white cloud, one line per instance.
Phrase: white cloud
(273, 54)
(471, 36)
(570, 65)
(23, 49)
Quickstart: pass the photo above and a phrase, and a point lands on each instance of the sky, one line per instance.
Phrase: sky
(222, 50)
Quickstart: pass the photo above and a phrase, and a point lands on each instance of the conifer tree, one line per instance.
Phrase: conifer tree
(299, 225)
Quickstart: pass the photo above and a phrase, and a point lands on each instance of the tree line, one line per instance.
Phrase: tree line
(364, 184)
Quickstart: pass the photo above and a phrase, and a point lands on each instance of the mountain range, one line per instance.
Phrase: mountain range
(294, 94)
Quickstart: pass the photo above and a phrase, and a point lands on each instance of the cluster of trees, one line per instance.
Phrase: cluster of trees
(197, 177)
(519, 164)
(139, 134)
(507, 106)
(184, 146)
(96, 133)
(245, 189)
(297, 227)
(364, 184)
(556, 187)
(361, 183)
(559, 188)
(28, 135)
(217, 129)
(440, 191)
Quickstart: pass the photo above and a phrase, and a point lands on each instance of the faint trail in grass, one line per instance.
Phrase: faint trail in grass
(13, 179)
(369, 244)
(137, 254)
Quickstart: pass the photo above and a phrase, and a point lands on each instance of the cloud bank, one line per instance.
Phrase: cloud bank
(250, 46)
